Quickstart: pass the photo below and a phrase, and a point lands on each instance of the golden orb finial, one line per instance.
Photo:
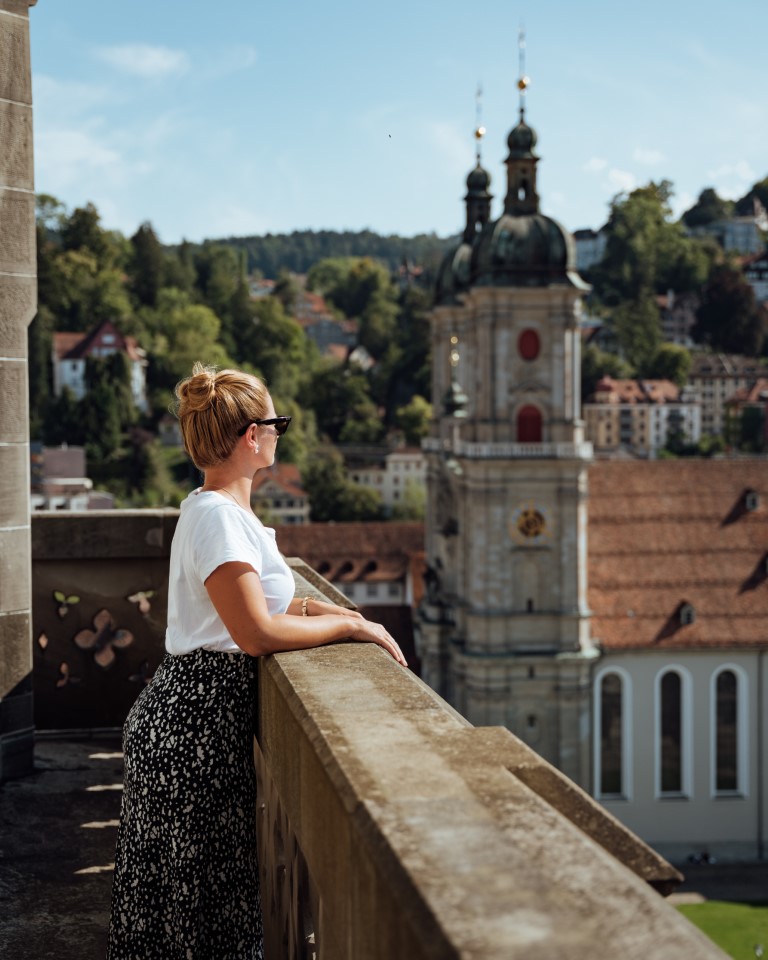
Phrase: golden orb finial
(523, 83)
(479, 132)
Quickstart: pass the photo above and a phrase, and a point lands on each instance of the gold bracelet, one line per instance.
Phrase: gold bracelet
(304, 603)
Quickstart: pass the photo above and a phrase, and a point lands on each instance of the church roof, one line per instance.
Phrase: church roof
(356, 552)
(666, 534)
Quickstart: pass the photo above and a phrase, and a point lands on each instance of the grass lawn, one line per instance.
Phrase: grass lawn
(736, 928)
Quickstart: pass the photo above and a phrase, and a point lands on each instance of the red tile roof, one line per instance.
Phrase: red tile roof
(73, 346)
(609, 390)
(351, 552)
(666, 533)
(285, 475)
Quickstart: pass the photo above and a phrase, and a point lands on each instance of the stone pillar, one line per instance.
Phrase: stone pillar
(18, 301)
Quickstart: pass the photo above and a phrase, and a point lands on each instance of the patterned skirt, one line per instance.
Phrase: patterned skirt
(186, 875)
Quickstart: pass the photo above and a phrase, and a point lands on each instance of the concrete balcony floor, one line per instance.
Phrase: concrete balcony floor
(57, 842)
(57, 837)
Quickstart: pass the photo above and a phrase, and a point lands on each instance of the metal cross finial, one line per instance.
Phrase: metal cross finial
(524, 82)
(479, 128)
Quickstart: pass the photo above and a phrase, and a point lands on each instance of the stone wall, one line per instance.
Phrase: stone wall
(389, 827)
(18, 300)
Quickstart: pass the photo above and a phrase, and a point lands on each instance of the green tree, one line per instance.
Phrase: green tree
(414, 419)
(277, 347)
(596, 364)
(414, 503)
(337, 394)
(646, 254)
(759, 191)
(671, 362)
(728, 318)
(707, 209)
(146, 267)
(181, 332)
(333, 496)
(62, 423)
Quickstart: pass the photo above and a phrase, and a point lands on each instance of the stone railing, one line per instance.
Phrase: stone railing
(504, 451)
(388, 826)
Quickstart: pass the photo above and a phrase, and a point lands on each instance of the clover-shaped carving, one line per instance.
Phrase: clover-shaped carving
(64, 601)
(142, 598)
(65, 675)
(104, 639)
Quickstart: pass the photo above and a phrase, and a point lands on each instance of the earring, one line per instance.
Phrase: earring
(257, 448)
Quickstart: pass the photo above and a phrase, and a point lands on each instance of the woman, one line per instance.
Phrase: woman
(186, 880)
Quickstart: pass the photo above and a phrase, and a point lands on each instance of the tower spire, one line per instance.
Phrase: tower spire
(478, 197)
(524, 81)
(479, 128)
(521, 198)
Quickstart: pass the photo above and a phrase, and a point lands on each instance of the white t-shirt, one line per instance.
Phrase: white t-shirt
(213, 530)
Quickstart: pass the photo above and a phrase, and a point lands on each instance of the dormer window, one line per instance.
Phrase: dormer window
(687, 615)
(751, 500)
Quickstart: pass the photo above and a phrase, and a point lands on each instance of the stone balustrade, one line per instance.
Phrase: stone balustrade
(388, 826)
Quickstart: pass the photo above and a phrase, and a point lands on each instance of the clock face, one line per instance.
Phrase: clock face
(529, 523)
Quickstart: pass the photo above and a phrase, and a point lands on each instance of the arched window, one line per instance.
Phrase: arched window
(671, 715)
(726, 732)
(529, 424)
(730, 731)
(611, 713)
(673, 731)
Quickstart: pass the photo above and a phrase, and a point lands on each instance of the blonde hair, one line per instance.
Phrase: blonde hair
(212, 405)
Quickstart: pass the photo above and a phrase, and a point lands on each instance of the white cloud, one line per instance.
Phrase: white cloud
(648, 157)
(595, 165)
(621, 180)
(732, 180)
(60, 99)
(143, 60)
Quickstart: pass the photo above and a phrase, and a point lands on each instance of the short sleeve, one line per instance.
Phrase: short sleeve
(223, 535)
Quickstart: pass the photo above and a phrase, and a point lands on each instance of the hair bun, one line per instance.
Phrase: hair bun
(197, 392)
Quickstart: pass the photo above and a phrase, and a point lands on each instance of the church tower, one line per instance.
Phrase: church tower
(504, 631)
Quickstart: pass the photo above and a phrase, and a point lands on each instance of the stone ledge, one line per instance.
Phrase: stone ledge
(421, 838)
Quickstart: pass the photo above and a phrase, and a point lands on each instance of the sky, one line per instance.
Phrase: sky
(237, 118)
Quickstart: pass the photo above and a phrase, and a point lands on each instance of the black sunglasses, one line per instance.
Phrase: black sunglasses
(280, 424)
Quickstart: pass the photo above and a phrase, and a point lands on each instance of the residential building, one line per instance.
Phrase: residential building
(590, 247)
(678, 315)
(277, 493)
(389, 472)
(59, 480)
(639, 416)
(756, 273)
(71, 350)
(735, 235)
(714, 378)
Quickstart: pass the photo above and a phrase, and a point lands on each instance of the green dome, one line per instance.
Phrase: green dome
(521, 141)
(529, 250)
(454, 273)
(478, 182)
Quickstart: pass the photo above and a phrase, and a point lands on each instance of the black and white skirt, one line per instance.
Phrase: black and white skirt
(186, 874)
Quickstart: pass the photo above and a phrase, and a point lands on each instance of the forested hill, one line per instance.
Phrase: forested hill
(298, 251)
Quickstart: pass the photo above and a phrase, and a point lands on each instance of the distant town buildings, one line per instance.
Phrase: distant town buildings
(715, 378)
(756, 274)
(639, 416)
(394, 474)
(277, 494)
(71, 350)
(59, 481)
(735, 235)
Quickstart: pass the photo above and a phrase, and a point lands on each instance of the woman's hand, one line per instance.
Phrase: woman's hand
(318, 608)
(365, 631)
